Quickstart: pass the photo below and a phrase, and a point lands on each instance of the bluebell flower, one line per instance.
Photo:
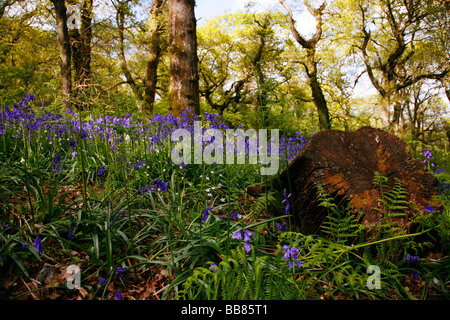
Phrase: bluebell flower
(159, 185)
(101, 171)
(237, 235)
(234, 215)
(213, 268)
(247, 247)
(247, 235)
(56, 164)
(5, 227)
(427, 154)
(411, 259)
(102, 281)
(118, 295)
(120, 271)
(205, 214)
(38, 244)
(282, 226)
(429, 209)
(291, 254)
(70, 235)
(286, 201)
(25, 246)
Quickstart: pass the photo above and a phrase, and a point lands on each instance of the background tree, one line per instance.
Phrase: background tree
(184, 80)
(394, 43)
(64, 49)
(28, 54)
(157, 23)
(310, 63)
(238, 76)
(80, 41)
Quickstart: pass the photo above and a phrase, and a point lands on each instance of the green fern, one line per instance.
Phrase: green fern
(393, 206)
(394, 203)
(341, 224)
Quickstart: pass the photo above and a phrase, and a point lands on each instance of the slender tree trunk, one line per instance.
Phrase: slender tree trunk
(86, 39)
(184, 80)
(317, 93)
(64, 48)
(137, 90)
(154, 57)
(311, 63)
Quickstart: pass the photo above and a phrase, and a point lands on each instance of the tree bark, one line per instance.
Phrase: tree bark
(155, 55)
(86, 39)
(121, 13)
(80, 41)
(64, 48)
(184, 80)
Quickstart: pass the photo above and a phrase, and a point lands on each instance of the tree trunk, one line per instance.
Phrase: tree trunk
(344, 165)
(317, 93)
(86, 39)
(311, 63)
(122, 11)
(64, 48)
(154, 57)
(184, 81)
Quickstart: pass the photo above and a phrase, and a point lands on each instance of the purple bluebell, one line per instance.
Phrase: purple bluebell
(101, 171)
(120, 271)
(38, 245)
(118, 296)
(205, 214)
(286, 201)
(291, 254)
(247, 235)
(247, 247)
(410, 259)
(159, 185)
(213, 268)
(236, 235)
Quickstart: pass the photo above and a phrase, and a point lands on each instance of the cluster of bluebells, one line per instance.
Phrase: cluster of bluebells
(291, 255)
(247, 237)
(22, 120)
(411, 261)
(290, 147)
(158, 185)
(282, 226)
(428, 155)
(443, 186)
(57, 166)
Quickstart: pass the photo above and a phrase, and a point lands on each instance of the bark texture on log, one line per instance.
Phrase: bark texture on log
(344, 164)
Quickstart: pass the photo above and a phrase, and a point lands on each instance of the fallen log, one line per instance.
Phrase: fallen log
(344, 164)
